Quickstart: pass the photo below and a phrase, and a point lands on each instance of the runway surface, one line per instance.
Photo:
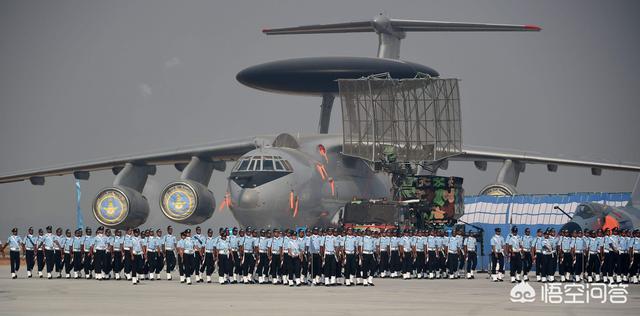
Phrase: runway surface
(389, 297)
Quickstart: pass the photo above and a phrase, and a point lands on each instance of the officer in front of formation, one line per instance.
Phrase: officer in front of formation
(209, 259)
(497, 256)
(514, 248)
(470, 254)
(15, 243)
(168, 248)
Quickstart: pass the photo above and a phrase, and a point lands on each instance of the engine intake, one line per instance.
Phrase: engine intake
(187, 202)
(120, 207)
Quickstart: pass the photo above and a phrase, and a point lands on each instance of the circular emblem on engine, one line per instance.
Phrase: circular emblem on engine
(179, 201)
(111, 207)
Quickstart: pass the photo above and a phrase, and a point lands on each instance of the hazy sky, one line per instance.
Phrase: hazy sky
(81, 80)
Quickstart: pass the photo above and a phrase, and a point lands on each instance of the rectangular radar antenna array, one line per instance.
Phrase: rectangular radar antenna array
(419, 118)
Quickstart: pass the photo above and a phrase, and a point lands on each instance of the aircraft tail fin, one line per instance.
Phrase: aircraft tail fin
(635, 194)
(391, 31)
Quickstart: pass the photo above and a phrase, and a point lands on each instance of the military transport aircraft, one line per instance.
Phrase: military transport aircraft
(282, 180)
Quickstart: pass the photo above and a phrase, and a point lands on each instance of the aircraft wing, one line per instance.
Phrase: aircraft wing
(218, 151)
(481, 155)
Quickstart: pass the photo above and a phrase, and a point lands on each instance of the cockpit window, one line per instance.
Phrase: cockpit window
(263, 163)
(243, 164)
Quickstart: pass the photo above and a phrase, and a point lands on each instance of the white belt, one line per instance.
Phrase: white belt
(114, 249)
(566, 251)
(419, 250)
(275, 253)
(127, 248)
(208, 251)
(367, 252)
(329, 253)
(150, 250)
(453, 252)
(14, 249)
(45, 248)
(348, 252)
(623, 251)
(29, 249)
(527, 250)
(248, 252)
(234, 249)
(168, 249)
(593, 252)
(67, 252)
(636, 251)
(394, 249)
(188, 253)
(223, 252)
(431, 249)
(263, 251)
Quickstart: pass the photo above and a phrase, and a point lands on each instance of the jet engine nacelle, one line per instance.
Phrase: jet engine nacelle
(120, 207)
(187, 202)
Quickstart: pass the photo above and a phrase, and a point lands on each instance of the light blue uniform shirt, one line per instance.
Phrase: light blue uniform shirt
(405, 241)
(152, 243)
(88, 243)
(514, 242)
(136, 245)
(248, 243)
(440, 242)
(548, 246)
(188, 245)
(210, 243)
(393, 243)
(453, 244)
(285, 244)
(314, 244)
(48, 241)
(198, 240)
(471, 243)
(384, 243)
(276, 245)
(565, 244)
(432, 244)
(29, 242)
(420, 241)
(223, 246)
(116, 242)
(340, 241)
(233, 242)
(100, 242)
(636, 245)
(350, 244)
(624, 244)
(497, 241)
(39, 242)
(169, 242)
(67, 244)
(127, 242)
(294, 247)
(77, 244)
(329, 243)
(579, 244)
(527, 243)
(180, 244)
(610, 243)
(302, 244)
(263, 244)
(539, 243)
(367, 244)
(57, 242)
(14, 242)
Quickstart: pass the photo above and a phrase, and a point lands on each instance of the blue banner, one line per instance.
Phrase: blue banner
(79, 220)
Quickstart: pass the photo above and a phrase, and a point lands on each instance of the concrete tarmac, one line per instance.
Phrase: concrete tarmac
(389, 297)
